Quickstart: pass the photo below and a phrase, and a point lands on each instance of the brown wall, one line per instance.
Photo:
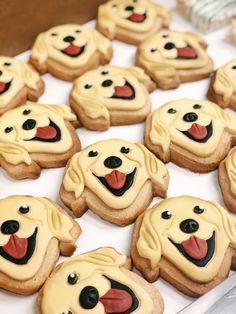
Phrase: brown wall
(22, 20)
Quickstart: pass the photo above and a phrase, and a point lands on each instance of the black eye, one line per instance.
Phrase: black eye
(72, 279)
(67, 312)
(26, 111)
(166, 215)
(7, 64)
(124, 150)
(153, 50)
(197, 106)
(234, 67)
(54, 34)
(198, 209)
(171, 110)
(78, 31)
(92, 153)
(165, 35)
(104, 72)
(8, 129)
(24, 209)
(87, 86)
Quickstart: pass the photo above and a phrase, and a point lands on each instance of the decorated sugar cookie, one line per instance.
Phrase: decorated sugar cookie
(18, 82)
(222, 89)
(172, 58)
(131, 21)
(187, 241)
(36, 136)
(34, 231)
(67, 51)
(192, 133)
(116, 179)
(111, 95)
(99, 282)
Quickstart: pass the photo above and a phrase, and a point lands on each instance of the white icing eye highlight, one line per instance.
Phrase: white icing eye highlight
(72, 279)
(166, 214)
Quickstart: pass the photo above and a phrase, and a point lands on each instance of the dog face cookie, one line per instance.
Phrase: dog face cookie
(67, 51)
(191, 133)
(18, 82)
(111, 96)
(33, 231)
(111, 177)
(171, 58)
(190, 239)
(130, 20)
(33, 133)
(222, 88)
(98, 282)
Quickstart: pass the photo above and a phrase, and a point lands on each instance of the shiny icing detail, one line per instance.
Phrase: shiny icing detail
(124, 150)
(198, 209)
(72, 279)
(166, 214)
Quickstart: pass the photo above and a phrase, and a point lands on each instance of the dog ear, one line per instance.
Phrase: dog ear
(73, 180)
(14, 154)
(63, 110)
(40, 49)
(30, 76)
(163, 13)
(198, 38)
(105, 21)
(223, 85)
(230, 163)
(103, 44)
(142, 77)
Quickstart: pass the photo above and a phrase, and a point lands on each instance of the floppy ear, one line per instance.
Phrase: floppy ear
(223, 85)
(40, 49)
(73, 180)
(63, 110)
(197, 38)
(142, 77)
(105, 21)
(230, 163)
(30, 76)
(103, 44)
(14, 154)
(163, 13)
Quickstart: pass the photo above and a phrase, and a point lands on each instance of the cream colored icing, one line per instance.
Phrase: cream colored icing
(15, 145)
(49, 46)
(80, 172)
(165, 127)
(45, 216)
(230, 164)
(90, 268)
(153, 242)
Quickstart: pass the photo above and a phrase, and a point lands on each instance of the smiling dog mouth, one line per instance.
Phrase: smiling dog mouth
(186, 52)
(49, 133)
(4, 87)
(199, 133)
(117, 182)
(137, 18)
(73, 50)
(198, 251)
(19, 250)
(126, 92)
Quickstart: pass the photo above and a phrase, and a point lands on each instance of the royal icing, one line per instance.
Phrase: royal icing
(230, 165)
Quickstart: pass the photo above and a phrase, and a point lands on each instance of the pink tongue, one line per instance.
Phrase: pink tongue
(46, 132)
(72, 50)
(186, 53)
(115, 179)
(195, 247)
(16, 247)
(116, 301)
(136, 17)
(198, 131)
(2, 86)
(123, 91)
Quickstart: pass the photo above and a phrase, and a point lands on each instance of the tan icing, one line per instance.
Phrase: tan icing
(48, 46)
(81, 168)
(165, 126)
(15, 142)
(90, 268)
(96, 101)
(43, 214)
(230, 164)
(153, 242)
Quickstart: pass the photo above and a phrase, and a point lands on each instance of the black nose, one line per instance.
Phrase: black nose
(129, 8)
(89, 297)
(10, 226)
(190, 117)
(107, 83)
(189, 226)
(69, 39)
(0, 73)
(112, 162)
(29, 124)
(169, 46)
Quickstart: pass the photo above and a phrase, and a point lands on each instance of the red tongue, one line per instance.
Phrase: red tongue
(123, 91)
(198, 131)
(136, 17)
(186, 53)
(115, 179)
(46, 132)
(72, 50)
(195, 247)
(116, 301)
(2, 86)
(16, 247)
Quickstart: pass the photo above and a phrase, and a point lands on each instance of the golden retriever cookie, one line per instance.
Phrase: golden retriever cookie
(172, 58)
(111, 96)
(115, 179)
(67, 51)
(34, 232)
(188, 241)
(36, 136)
(131, 21)
(222, 89)
(191, 133)
(18, 82)
(99, 282)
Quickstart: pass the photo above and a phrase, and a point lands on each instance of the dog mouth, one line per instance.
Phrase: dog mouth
(50, 133)
(73, 50)
(186, 52)
(137, 18)
(117, 182)
(4, 87)
(124, 92)
(199, 133)
(198, 251)
(119, 299)
(19, 250)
